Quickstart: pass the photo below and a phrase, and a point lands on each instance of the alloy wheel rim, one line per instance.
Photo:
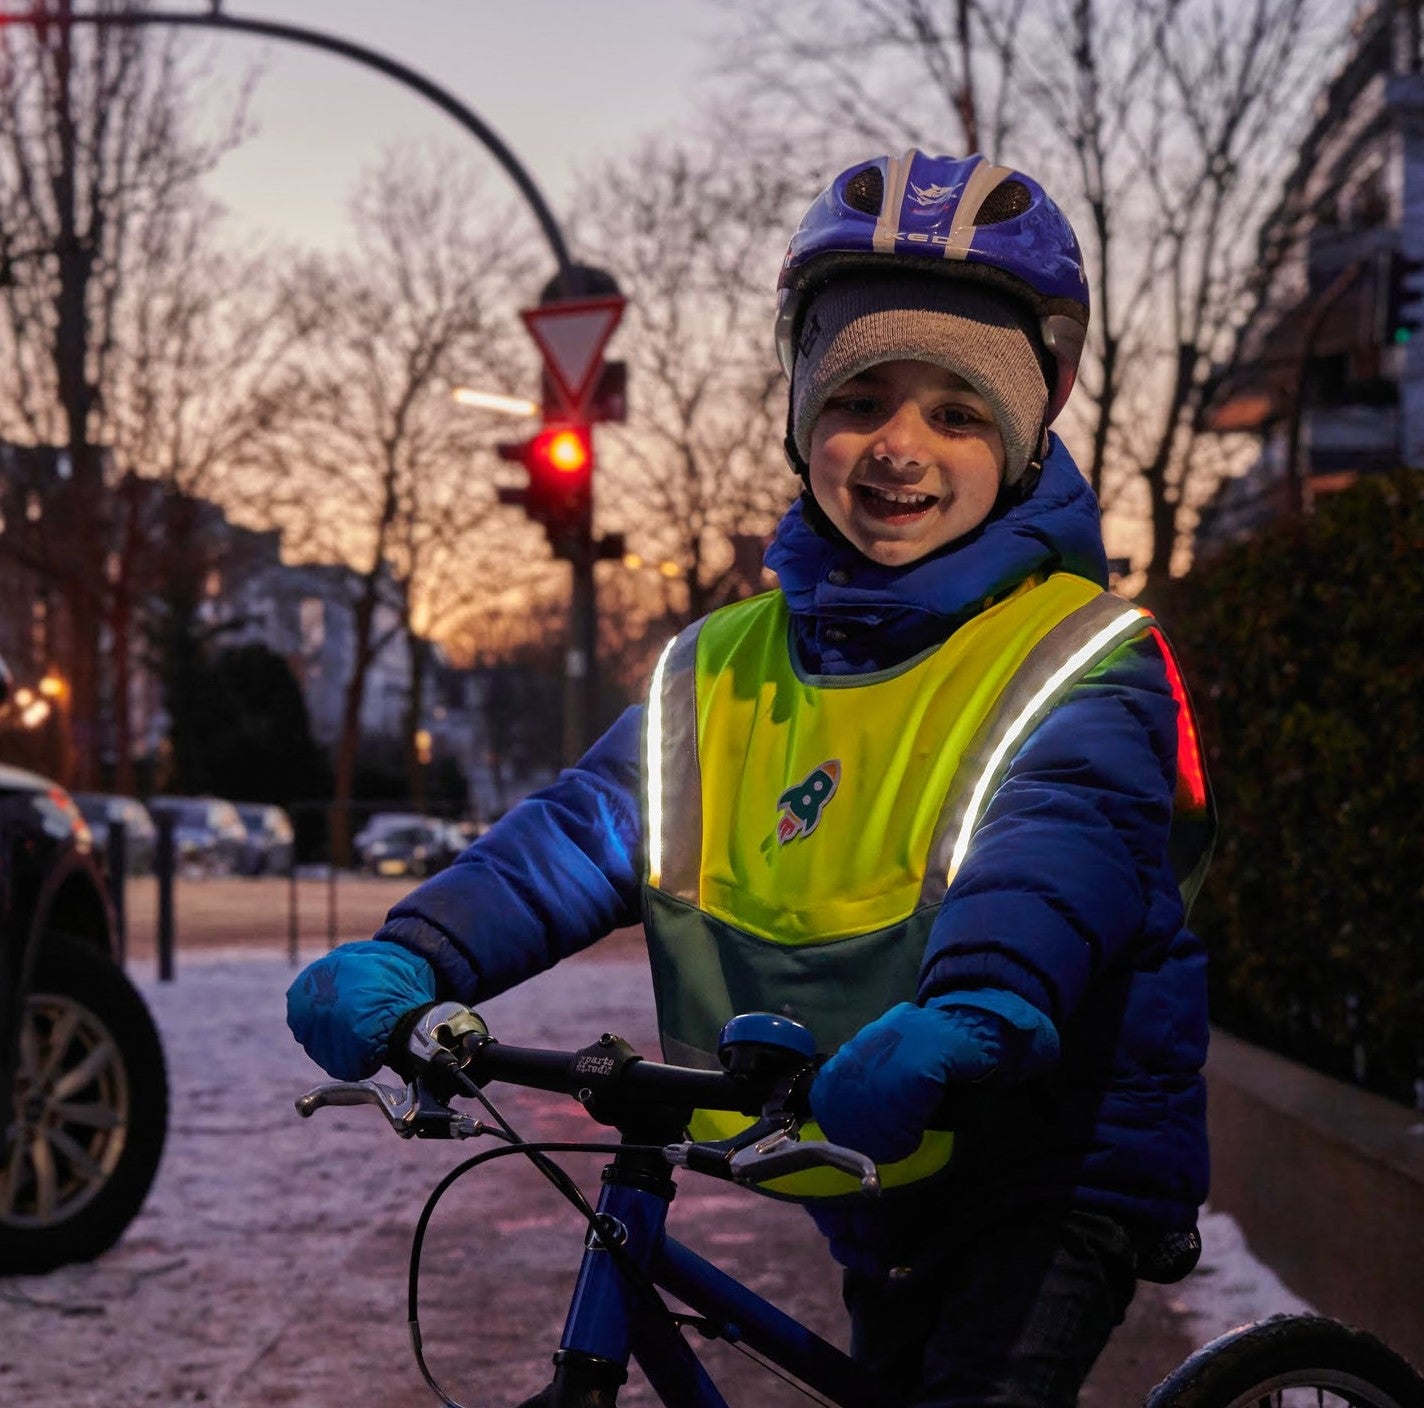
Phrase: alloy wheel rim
(71, 1114)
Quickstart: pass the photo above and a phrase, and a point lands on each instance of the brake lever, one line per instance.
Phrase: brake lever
(781, 1153)
(413, 1113)
(398, 1106)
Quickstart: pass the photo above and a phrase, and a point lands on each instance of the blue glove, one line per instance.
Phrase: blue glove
(344, 1006)
(879, 1091)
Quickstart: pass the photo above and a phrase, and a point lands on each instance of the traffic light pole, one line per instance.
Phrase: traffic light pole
(581, 660)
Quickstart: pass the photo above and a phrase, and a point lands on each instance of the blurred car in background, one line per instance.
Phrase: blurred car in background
(270, 848)
(83, 1086)
(407, 843)
(377, 826)
(208, 835)
(100, 809)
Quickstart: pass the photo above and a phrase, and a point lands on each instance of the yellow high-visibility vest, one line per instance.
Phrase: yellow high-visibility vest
(802, 831)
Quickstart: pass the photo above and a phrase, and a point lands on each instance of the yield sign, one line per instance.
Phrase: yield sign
(571, 334)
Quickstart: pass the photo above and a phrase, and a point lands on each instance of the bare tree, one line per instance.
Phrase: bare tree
(98, 173)
(694, 237)
(864, 72)
(376, 464)
(1163, 127)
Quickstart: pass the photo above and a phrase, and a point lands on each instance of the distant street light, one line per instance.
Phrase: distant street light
(635, 562)
(494, 401)
(33, 710)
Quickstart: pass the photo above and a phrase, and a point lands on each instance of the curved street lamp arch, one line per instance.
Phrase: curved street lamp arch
(359, 53)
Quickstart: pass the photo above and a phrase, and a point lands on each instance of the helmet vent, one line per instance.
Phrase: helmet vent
(865, 191)
(1006, 200)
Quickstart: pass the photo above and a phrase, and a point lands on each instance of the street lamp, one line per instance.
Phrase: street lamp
(494, 401)
(634, 562)
(34, 710)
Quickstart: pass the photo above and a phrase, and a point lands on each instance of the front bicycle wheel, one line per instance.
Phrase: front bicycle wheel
(1292, 1361)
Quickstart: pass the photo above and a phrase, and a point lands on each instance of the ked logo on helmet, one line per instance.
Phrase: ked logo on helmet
(801, 806)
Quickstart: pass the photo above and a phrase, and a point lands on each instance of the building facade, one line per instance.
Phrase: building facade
(1329, 369)
(166, 545)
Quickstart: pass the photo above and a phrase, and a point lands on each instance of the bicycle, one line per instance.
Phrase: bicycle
(617, 1313)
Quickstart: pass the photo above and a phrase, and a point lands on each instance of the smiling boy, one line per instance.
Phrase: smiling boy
(920, 797)
(905, 457)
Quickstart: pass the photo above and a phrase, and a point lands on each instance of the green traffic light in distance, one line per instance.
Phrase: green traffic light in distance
(1402, 335)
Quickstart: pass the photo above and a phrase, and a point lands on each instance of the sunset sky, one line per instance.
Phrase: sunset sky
(562, 82)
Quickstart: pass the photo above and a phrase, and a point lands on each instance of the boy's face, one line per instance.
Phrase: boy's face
(905, 458)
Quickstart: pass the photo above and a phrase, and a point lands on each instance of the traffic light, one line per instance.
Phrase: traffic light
(1405, 300)
(559, 461)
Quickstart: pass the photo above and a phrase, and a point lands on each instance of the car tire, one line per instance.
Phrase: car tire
(91, 1107)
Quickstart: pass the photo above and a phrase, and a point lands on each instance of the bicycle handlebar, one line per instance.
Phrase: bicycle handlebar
(607, 1066)
(451, 1047)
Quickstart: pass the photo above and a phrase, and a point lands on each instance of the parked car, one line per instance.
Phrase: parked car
(140, 834)
(83, 1086)
(270, 847)
(208, 834)
(379, 825)
(406, 843)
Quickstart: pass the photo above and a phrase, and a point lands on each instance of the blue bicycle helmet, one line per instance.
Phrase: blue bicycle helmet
(951, 217)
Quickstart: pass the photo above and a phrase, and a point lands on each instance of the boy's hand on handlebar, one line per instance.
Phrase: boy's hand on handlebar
(880, 1090)
(343, 1008)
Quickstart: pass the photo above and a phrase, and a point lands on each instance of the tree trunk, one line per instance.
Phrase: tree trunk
(416, 767)
(83, 585)
(120, 627)
(349, 740)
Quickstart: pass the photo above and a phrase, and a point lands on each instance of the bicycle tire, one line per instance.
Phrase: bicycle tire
(1258, 1365)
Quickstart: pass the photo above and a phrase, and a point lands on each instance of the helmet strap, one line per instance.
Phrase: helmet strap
(1011, 495)
(799, 467)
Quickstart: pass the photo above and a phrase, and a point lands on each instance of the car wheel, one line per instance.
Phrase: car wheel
(91, 1112)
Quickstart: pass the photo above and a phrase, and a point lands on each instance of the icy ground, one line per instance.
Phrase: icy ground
(268, 1266)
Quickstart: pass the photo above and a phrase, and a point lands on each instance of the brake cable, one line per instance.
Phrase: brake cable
(536, 1151)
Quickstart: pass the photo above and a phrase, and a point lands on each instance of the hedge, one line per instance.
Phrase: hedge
(1304, 651)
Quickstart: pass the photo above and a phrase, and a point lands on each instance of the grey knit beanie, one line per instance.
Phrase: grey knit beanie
(853, 325)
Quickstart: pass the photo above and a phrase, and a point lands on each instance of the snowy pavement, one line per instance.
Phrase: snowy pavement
(269, 1265)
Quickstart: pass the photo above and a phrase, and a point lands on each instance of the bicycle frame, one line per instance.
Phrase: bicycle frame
(610, 1320)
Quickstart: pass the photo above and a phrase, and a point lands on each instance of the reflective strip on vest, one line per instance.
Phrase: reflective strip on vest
(674, 853)
(1057, 663)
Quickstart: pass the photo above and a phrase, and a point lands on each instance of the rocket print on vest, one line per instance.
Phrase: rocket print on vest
(801, 806)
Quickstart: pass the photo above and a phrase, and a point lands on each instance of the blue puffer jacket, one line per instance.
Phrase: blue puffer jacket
(1066, 897)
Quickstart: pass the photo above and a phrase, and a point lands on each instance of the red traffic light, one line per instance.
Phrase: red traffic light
(557, 452)
(559, 461)
(564, 449)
